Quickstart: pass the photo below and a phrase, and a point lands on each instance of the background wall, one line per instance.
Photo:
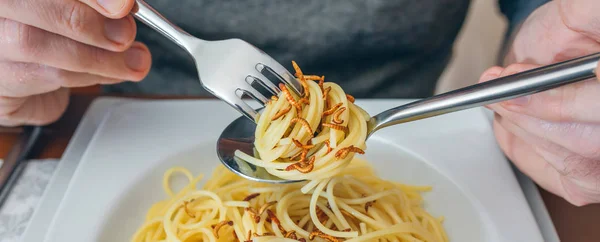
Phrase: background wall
(476, 47)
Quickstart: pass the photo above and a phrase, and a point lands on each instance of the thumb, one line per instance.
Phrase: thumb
(598, 72)
(490, 74)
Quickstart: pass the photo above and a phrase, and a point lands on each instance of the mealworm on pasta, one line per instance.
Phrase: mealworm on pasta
(342, 153)
(350, 98)
(289, 97)
(219, 225)
(336, 116)
(281, 113)
(332, 109)
(304, 124)
(336, 127)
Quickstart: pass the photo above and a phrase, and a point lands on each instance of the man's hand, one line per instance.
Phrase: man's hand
(48, 46)
(554, 136)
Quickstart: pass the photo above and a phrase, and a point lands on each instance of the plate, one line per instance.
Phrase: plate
(119, 175)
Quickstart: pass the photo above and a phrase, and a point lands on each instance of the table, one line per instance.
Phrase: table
(573, 224)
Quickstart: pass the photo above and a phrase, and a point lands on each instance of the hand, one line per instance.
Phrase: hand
(554, 136)
(48, 46)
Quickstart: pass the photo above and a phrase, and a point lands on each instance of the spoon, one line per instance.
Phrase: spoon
(239, 135)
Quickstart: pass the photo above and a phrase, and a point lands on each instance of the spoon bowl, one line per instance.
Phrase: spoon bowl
(239, 135)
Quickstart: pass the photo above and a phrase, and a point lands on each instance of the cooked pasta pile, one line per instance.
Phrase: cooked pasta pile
(308, 137)
(313, 137)
(354, 205)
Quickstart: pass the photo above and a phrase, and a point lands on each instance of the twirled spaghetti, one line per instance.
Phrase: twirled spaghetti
(354, 205)
(313, 136)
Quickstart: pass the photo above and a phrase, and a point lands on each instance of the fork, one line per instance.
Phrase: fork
(229, 69)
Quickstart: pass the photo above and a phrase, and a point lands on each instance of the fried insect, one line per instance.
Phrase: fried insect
(218, 226)
(322, 235)
(249, 236)
(303, 167)
(253, 214)
(304, 124)
(332, 110)
(369, 204)
(303, 101)
(300, 76)
(275, 220)
(326, 92)
(185, 208)
(321, 215)
(289, 97)
(281, 113)
(350, 98)
(264, 207)
(336, 127)
(321, 80)
(328, 146)
(251, 196)
(313, 77)
(303, 156)
(342, 153)
(264, 234)
(290, 235)
(336, 116)
(301, 146)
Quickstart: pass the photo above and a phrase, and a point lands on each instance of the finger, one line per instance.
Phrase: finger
(581, 16)
(528, 162)
(570, 103)
(490, 74)
(584, 171)
(73, 19)
(579, 138)
(23, 43)
(522, 154)
(111, 8)
(26, 79)
(38, 109)
(598, 72)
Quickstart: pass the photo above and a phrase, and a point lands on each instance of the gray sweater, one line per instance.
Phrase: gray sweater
(372, 48)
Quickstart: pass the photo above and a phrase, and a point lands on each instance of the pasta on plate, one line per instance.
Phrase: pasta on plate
(313, 137)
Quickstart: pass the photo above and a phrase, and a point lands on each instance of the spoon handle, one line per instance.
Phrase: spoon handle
(497, 90)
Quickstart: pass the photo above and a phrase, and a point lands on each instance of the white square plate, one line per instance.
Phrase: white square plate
(120, 173)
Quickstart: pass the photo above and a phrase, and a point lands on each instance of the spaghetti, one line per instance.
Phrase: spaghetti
(354, 205)
(324, 118)
(313, 137)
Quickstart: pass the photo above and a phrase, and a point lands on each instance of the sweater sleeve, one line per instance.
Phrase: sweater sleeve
(516, 11)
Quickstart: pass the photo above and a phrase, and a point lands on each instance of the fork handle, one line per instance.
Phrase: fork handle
(497, 90)
(149, 16)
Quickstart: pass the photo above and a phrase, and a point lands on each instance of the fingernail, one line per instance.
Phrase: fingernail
(520, 101)
(112, 6)
(490, 75)
(118, 30)
(137, 59)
